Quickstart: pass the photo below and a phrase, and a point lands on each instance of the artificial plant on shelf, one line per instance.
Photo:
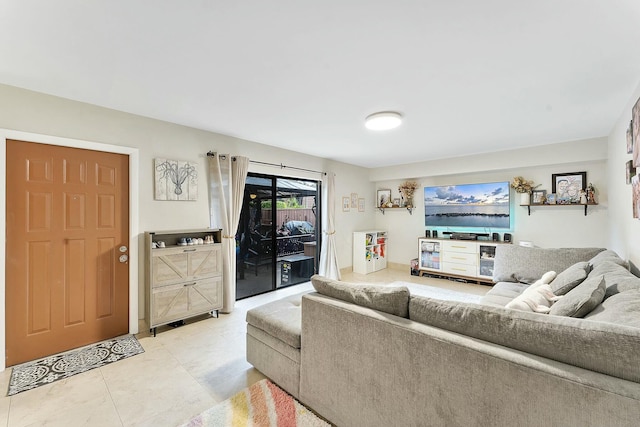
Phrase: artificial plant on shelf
(407, 189)
(524, 188)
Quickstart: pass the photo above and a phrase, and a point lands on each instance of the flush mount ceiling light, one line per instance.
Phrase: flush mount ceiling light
(383, 120)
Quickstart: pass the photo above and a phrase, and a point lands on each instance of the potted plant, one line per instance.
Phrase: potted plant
(524, 188)
(407, 189)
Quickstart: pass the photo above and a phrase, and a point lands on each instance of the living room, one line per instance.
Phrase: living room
(37, 116)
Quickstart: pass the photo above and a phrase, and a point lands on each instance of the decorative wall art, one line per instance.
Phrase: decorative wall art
(567, 186)
(176, 180)
(635, 121)
(630, 138)
(361, 204)
(635, 184)
(354, 200)
(346, 204)
(630, 171)
(538, 197)
(383, 198)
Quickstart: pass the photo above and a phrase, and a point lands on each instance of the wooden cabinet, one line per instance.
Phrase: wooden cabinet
(458, 258)
(182, 280)
(369, 251)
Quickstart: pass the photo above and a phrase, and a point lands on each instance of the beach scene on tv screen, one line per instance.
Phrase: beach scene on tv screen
(483, 205)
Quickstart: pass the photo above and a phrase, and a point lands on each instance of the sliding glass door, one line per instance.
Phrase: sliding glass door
(277, 243)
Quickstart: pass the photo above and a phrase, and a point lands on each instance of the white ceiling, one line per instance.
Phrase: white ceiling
(469, 76)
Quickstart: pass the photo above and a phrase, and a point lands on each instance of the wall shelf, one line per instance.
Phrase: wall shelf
(381, 209)
(559, 205)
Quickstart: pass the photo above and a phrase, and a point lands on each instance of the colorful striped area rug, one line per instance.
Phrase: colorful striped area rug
(262, 405)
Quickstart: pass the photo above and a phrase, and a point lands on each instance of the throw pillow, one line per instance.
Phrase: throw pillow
(581, 299)
(389, 299)
(570, 278)
(608, 255)
(622, 309)
(617, 278)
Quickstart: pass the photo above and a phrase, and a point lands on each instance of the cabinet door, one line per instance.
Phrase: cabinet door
(169, 303)
(205, 295)
(487, 260)
(205, 263)
(429, 255)
(169, 267)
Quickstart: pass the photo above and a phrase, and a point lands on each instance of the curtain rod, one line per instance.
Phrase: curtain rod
(281, 166)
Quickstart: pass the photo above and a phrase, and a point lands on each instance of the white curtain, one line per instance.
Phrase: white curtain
(328, 259)
(227, 176)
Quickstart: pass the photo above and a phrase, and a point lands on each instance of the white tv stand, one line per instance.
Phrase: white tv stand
(463, 259)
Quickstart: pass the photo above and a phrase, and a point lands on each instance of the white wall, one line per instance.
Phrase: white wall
(546, 227)
(623, 229)
(33, 112)
(37, 113)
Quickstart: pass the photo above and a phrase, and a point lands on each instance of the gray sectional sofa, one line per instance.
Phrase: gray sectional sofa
(375, 355)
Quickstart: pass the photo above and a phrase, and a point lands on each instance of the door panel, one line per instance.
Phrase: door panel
(67, 215)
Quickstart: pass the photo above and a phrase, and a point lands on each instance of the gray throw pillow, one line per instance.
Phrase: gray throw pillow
(389, 299)
(570, 278)
(617, 277)
(621, 309)
(608, 255)
(581, 299)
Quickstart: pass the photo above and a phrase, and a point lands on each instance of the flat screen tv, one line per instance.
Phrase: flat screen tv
(477, 206)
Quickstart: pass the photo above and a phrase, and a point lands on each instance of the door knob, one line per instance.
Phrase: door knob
(123, 249)
(123, 258)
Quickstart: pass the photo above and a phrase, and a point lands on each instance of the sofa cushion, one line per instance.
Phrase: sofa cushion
(579, 342)
(570, 278)
(524, 264)
(622, 308)
(502, 293)
(389, 299)
(608, 255)
(281, 319)
(616, 276)
(581, 299)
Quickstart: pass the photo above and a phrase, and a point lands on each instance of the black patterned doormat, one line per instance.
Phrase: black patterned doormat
(60, 366)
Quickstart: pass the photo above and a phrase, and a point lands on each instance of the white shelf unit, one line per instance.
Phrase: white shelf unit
(458, 258)
(369, 251)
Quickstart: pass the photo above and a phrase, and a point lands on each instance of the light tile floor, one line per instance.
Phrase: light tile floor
(182, 372)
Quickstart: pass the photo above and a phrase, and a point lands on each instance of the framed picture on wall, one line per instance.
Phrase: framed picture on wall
(354, 200)
(361, 204)
(567, 186)
(635, 184)
(346, 204)
(630, 138)
(383, 198)
(635, 126)
(538, 197)
(630, 171)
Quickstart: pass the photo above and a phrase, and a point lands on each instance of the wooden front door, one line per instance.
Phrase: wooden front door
(67, 276)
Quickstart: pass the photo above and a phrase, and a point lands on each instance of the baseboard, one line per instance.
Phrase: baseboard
(390, 265)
